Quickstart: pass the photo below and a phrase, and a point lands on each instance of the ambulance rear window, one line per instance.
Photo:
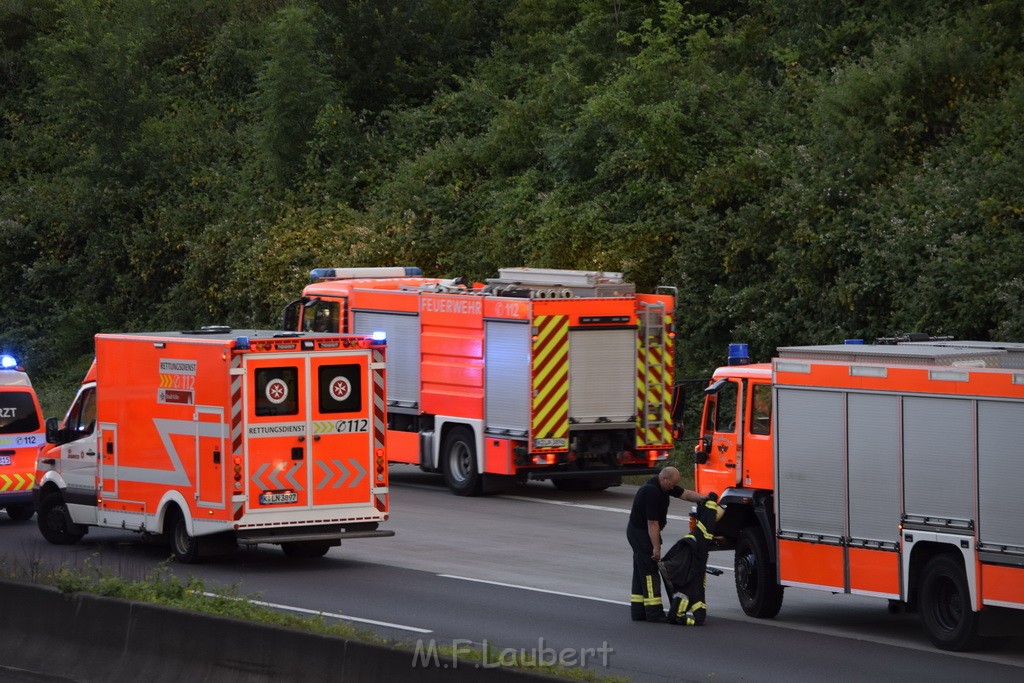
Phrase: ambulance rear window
(277, 391)
(340, 389)
(18, 413)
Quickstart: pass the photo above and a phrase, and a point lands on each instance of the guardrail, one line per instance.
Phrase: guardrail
(47, 635)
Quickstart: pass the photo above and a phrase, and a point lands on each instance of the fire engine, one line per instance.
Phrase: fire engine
(217, 437)
(21, 435)
(875, 469)
(536, 374)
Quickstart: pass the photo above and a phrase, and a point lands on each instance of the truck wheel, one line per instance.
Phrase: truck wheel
(55, 522)
(184, 547)
(760, 596)
(945, 606)
(21, 512)
(460, 472)
(304, 550)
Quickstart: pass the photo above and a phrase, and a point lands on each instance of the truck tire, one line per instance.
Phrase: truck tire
(945, 606)
(184, 546)
(55, 522)
(460, 470)
(759, 594)
(305, 550)
(21, 512)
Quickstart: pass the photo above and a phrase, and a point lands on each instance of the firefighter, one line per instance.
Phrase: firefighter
(646, 520)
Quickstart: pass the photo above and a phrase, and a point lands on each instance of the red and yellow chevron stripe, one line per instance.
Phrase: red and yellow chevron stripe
(16, 482)
(549, 426)
(654, 373)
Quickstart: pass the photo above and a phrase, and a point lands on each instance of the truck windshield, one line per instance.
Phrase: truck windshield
(18, 413)
(321, 316)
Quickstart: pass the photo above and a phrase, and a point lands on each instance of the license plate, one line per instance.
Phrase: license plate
(278, 498)
(550, 443)
(5, 460)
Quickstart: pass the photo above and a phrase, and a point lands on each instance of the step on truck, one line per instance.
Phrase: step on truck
(884, 470)
(21, 435)
(218, 437)
(536, 374)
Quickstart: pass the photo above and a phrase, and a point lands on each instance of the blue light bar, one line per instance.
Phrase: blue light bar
(242, 343)
(8, 362)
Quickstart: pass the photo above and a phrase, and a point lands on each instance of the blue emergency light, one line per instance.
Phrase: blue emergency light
(8, 362)
(242, 343)
(379, 336)
(738, 354)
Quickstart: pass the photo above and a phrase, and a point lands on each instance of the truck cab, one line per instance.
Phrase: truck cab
(21, 434)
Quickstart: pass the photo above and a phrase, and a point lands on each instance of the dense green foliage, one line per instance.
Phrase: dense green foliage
(802, 170)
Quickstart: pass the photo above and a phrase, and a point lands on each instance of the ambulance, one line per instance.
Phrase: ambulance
(21, 435)
(218, 437)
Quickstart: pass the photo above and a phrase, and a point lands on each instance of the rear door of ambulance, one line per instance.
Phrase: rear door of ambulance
(308, 432)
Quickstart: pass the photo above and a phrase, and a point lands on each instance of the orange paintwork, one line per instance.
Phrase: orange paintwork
(1002, 584)
(982, 382)
(812, 564)
(176, 413)
(875, 571)
(498, 456)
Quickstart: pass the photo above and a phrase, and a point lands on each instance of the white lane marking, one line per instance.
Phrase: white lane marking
(320, 613)
(585, 506)
(530, 588)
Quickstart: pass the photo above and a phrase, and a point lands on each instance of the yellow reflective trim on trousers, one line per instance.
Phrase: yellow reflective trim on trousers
(650, 586)
(653, 601)
(698, 605)
(636, 598)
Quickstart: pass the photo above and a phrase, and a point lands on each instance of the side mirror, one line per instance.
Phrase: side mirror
(702, 450)
(54, 434)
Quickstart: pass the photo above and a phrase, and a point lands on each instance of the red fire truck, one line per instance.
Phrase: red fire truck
(536, 374)
(885, 470)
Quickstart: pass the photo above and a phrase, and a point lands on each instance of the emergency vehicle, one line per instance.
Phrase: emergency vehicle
(216, 437)
(21, 435)
(883, 470)
(536, 374)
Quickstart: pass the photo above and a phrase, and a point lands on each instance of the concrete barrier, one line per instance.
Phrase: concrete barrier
(82, 637)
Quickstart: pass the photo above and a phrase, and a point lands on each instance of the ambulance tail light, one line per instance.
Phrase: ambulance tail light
(380, 465)
(238, 473)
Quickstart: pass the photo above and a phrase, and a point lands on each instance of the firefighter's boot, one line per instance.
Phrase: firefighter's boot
(636, 608)
(677, 608)
(654, 614)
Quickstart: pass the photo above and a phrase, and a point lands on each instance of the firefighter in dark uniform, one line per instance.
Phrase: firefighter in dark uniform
(646, 520)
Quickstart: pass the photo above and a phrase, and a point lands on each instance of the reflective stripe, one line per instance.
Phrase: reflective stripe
(549, 372)
(698, 605)
(636, 598)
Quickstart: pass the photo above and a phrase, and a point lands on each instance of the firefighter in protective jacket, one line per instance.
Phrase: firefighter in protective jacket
(685, 567)
(646, 520)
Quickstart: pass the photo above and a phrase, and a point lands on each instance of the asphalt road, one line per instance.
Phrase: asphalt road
(546, 573)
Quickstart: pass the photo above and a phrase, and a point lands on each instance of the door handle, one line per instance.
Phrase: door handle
(91, 454)
(731, 465)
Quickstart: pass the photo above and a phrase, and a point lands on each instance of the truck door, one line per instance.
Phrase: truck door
(341, 410)
(78, 456)
(722, 432)
(276, 432)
